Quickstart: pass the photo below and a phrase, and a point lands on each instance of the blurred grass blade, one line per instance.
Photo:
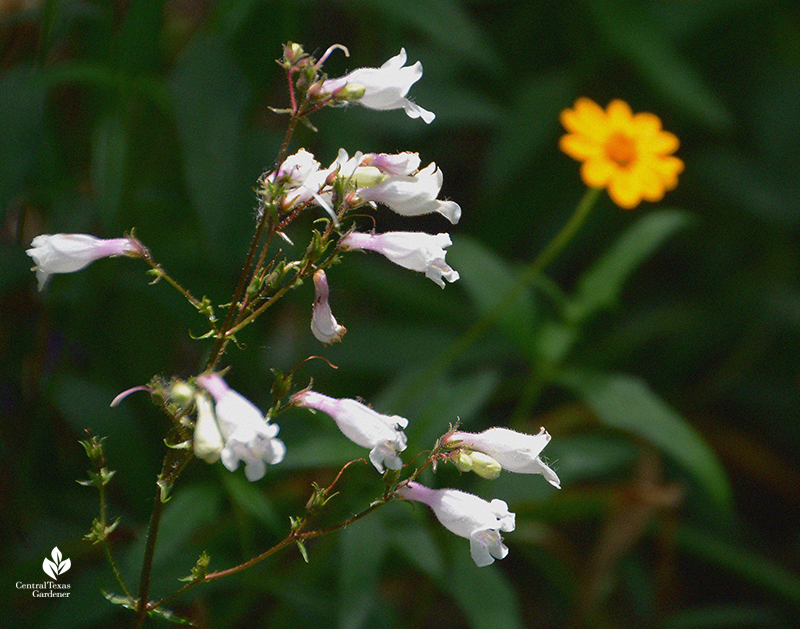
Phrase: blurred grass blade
(211, 97)
(363, 546)
(732, 556)
(251, 500)
(488, 278)
(528, 127)
(109, 159)
(627, 403)
(445, 22)
(640, 40)
(485, 596)
(601, 285)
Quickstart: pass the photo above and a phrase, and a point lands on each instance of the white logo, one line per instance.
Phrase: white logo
(56, 566)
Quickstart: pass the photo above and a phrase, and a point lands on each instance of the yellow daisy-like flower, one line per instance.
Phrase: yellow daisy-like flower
(630, 154)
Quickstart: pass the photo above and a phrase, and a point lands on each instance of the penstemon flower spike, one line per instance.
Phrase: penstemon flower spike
(229, 428)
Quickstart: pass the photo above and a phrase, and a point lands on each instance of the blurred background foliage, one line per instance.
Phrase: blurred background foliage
(660, 352)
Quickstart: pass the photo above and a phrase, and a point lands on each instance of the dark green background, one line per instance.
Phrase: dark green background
(680, 377)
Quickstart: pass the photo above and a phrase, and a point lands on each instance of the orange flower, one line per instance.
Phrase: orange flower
(629, 154)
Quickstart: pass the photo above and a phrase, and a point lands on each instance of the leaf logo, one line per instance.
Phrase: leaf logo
(56, 566)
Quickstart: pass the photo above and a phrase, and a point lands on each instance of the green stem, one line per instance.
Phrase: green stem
(147, 564)
(524, 279)
(106, 546)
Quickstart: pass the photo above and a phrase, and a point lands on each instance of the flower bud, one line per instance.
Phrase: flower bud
(482, 464)
(350, 92)
(182, 393)
(323, 324)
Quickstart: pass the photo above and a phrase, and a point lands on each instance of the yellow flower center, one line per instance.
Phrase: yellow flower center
(620, 149)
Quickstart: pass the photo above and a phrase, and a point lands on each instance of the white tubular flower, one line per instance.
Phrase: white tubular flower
(394, 181)
(514, 451)
(381, 88)
(383, 434)
(66, 253)
(468, 516)
(416, 251)
(405, 163)
(413, 195)
(208, 442)
(323, 324)
(302, 177)
(248, 436)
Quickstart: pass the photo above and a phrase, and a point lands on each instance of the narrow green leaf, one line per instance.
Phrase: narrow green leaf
(627, 403)
(730, 616)
(444, 22)
(638, 38)
(363, 546)
(22, 98)
(211, 97)
(109, 157)
(189, 509)
(252, 500)
(601, 285)
(528, 127)
(732, 556)
(489, 280)
(485, 596)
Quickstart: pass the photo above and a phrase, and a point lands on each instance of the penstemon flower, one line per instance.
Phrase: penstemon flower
(413, 195)
(629, 154)
(411, 250)
(67, 253)
(249, 437)
(383, 434)
(394, 181)
(323, 324)
(468, 516)
(208, 441)
(301, 176)
(514, 451)
(380, 88)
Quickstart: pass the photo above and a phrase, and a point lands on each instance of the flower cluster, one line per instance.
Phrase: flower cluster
(231, 429)
(486, 454)
(393, 180)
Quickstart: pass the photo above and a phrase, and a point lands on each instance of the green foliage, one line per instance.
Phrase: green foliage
(669, 332)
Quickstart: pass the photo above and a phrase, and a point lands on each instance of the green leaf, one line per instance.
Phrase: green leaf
(363, 545)
(109, 158)
(528, 127)
(211, 97)
(190, 509)
(252, 500)
(731, 616)
(489, 282)
(628, 28)
(601, 285)
(627, 403)
(22, 99)
(731, 555)
(444, 22)
(484, 594)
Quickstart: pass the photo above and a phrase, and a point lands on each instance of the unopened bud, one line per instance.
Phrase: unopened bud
(182, 393)
(366, 176)
(482, 464)
(350, 92)
(292, 53)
